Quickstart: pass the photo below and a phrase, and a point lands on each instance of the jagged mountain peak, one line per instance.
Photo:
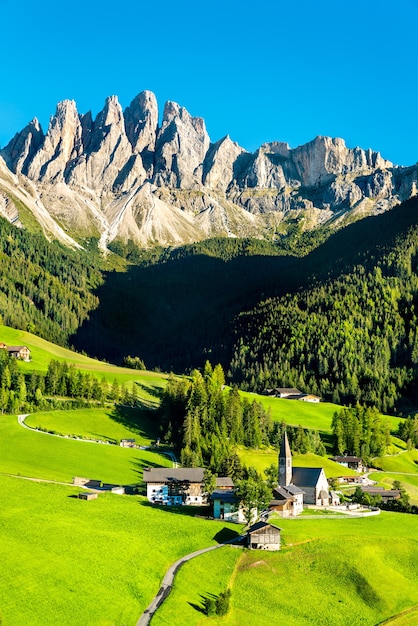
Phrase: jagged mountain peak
(91, 175)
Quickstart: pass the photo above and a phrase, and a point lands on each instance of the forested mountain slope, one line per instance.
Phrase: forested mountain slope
(177, 313)
(352, 337)
(44, 287)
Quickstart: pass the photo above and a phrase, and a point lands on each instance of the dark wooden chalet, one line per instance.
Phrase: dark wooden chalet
(263, 536)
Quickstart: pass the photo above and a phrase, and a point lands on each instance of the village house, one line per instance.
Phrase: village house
(309, 397)
(287, 501)
(175, 486)
(263, 536)
(225, 503)
(18, 352)
(351, 462)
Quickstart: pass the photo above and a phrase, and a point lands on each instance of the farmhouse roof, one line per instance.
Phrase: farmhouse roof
(379, 491)
(306, 476)
(172, 475)
(347, 459)
(288, 391)
(16, 348)
(224, 481)
(259, 525)
(226, 495)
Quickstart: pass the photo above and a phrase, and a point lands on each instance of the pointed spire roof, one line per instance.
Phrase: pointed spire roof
(284, 447)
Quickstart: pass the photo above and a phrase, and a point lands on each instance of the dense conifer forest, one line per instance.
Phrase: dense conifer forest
(45, 288)
(350, 339)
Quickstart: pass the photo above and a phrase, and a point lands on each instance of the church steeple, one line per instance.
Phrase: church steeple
(285, 462)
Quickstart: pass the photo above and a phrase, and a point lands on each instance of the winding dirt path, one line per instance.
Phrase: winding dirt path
(168, 580)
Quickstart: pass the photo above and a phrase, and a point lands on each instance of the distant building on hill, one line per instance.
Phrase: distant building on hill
(351, 462)
(17, 352)
(291, 393)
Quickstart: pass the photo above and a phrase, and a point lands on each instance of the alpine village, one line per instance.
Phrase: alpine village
(208, 376)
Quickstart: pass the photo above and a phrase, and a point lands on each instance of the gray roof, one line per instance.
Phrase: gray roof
(224, 481)
(288, 390)
(226, 495)
(293, 489)
(286, 492)
(380, 491)
(306, 476)
(259, 526)
(170, 475)
(347, 459)
(280, 494)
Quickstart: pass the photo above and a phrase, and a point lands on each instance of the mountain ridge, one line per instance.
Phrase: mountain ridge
(123, 175)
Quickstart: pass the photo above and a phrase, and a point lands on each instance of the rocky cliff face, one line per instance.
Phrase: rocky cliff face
(122, 175)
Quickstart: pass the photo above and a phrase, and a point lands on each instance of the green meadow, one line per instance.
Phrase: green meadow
(108, 424)
(29, 453)
(406, 462)
(76, 563)
(328, 573)
(316, 416)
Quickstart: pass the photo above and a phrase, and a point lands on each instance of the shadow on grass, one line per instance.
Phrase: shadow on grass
(153, 390)
(226, 534)
(201, 608)
(141, 421)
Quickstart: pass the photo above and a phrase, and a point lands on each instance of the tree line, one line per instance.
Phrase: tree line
(360, 431)
(63, 386)
(205, 422)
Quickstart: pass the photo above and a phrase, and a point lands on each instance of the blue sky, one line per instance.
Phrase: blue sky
(259, 71)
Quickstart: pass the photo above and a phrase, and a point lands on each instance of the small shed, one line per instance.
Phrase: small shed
(263, 536)
(87, 495)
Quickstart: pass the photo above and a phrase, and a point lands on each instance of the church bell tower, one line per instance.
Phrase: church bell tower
(285, 462)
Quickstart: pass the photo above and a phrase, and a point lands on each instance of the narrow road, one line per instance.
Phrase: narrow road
(168, 579)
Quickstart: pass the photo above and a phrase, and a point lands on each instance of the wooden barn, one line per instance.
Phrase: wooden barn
(263, 536)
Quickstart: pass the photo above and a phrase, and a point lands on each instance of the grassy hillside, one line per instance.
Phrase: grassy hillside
(149, 384)
(28, 453)
(330, 572)
(317, 416)
(70, 562)
(111, 424)
(406, 461)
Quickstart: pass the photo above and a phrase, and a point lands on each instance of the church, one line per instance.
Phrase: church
(297, 485)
